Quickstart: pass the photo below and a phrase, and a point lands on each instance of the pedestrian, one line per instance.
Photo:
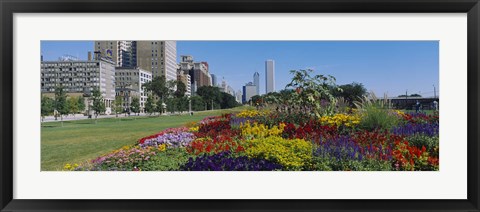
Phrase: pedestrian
(417, 106)
(435, 105)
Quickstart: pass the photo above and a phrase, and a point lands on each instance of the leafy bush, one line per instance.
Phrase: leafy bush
(420, 140)
(169, 160)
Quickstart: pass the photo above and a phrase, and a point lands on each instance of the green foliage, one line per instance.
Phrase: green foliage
(181, 89)
(135, 105)
(420, 140)
(350, 92)
(47, 106)
(197, 103)
(210, 94)
(150, 105)
(72, 103)
(60, 101)
(158, 86)
(81, 104)
(98, 105)
(327, 164)
(227, 101)
(169, 160)
(376, 114)
(118, 104)
(311, 91)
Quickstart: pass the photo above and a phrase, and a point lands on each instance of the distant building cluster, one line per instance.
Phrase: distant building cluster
(121, 68)
(251, 89)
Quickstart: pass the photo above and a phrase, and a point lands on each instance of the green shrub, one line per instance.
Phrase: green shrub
(376, 113)
(169, 160)
(420, 140)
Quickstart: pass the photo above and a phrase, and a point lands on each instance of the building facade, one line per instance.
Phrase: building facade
(80, 78)
(256, 82)
(249, 90)
(129, 84)
(122, 53)
(269, 76)
(158, 57)
(198, 71)
(185, 78)
(214, 80)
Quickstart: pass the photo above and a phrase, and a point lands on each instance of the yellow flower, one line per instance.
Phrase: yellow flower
(291, 154)
(340, 119)
(260, 130)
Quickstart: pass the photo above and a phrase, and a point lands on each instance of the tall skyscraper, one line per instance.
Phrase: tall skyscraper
(269, 76)
(256, 81)
(158, 57)
(214, 80)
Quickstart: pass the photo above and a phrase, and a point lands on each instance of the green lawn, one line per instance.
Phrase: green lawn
(82, 140)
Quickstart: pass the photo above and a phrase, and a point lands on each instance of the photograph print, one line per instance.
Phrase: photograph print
(164, 105)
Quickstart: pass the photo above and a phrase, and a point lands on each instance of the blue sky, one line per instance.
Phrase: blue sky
(391, 67)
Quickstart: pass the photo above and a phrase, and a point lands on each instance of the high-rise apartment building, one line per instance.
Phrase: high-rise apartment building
(198, 71)
(256, 82)
(269, 76)
(158, 57)
(79, 78)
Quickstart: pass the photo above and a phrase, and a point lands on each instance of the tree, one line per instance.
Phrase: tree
(159, 87)
(312, 95)
(81, 104)
(159, 107)
(118, 104)
(135, 106)
(350, 92)
(181, 89)
(72, 103)
(61, 105)
(210, 95)
(47, 107)
(98, 105)
(228, 101)
(197, 103)
(149, 105)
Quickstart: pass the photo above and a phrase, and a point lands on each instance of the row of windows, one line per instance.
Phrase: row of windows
(70, 64)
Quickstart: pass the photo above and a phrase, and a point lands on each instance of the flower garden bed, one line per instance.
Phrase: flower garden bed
(267, 140)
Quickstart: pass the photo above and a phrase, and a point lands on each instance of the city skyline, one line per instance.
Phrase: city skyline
(392, 67)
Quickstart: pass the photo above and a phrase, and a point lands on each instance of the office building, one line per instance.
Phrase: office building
(158, 57)
(256, 82)
(238, 96)
(129, 83)
(79, 78)
(122, 53)
(249, 90)
(269, 76)
(214, 80)
(198, 71)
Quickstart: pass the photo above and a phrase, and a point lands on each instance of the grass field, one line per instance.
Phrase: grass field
(82, 140)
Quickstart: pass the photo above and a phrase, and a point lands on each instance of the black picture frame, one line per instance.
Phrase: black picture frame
(9, 7)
